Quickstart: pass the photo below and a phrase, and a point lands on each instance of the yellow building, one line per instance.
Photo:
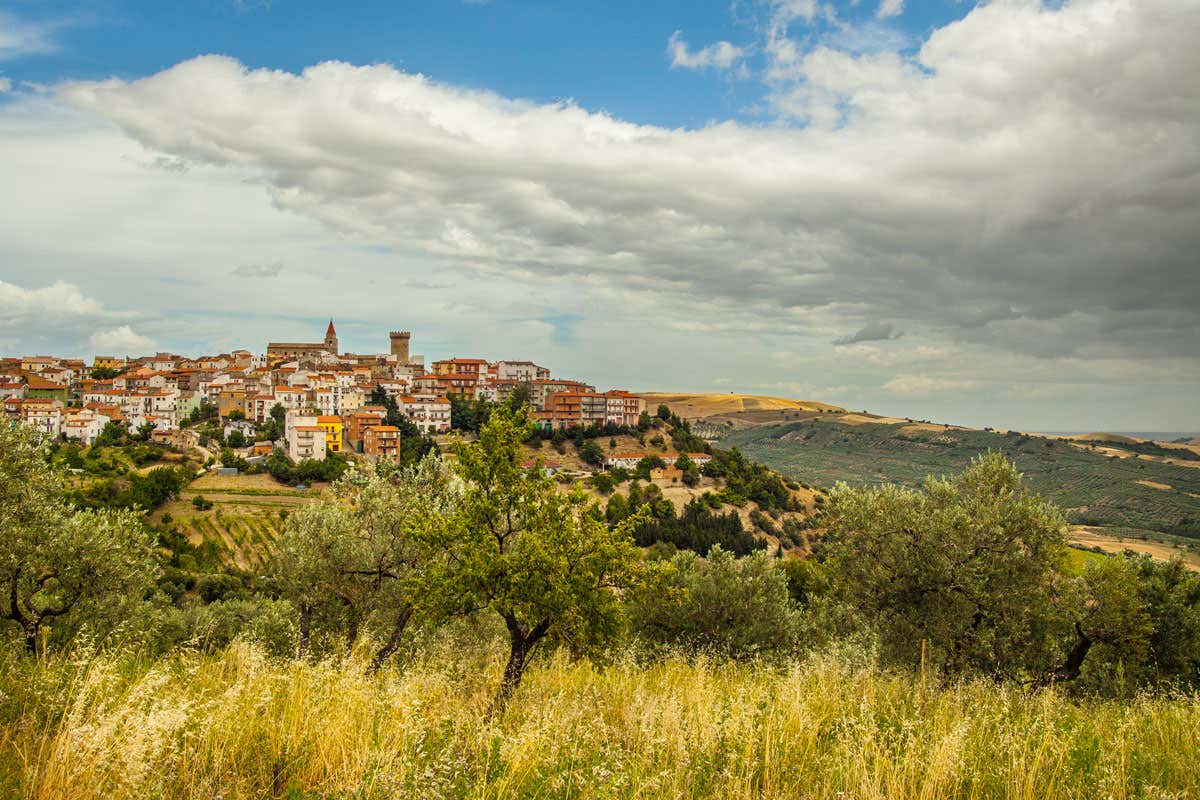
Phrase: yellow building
(108, 362)
(333, 432)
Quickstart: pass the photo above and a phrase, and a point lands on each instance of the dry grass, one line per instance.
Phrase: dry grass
(237, 725)
(706, 405)
(1085, 536)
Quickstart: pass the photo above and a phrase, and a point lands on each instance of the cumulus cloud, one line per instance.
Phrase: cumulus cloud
(58, 299)
(258, 270)
(889, 8)
(721, 55)
(871, 332)
(1028, 166)
(5, 85)
(121, 340)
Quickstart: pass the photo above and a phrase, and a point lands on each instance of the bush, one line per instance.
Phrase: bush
(603, 483)
(201, 503)
(737, 607)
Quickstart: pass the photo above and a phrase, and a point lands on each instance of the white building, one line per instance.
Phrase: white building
(522, 371)
(84, 425)
(431, 414)
(305, 439)
(43, 414)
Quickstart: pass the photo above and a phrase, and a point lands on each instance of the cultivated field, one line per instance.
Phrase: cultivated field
(1137, 492)
(1114, 543)
(246, 517)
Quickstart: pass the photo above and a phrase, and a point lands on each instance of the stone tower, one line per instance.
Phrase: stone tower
(400, 345)
(331, 342)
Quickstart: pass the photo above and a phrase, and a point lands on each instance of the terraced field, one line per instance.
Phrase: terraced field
(1104, 491)
(247, 515)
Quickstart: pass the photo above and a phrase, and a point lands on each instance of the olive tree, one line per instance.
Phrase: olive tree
(737, 607)
(368, 550)
(61, 567)
(966, 564)
(541, 559)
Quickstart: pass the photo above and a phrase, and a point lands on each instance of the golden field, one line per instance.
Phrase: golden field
(238, 725)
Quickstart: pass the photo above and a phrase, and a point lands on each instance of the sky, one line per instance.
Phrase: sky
(975, 213)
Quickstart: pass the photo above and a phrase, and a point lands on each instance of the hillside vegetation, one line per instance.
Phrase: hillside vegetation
(481, 627)
(1093, 488)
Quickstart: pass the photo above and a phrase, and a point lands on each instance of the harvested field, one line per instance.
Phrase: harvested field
(1093, 537)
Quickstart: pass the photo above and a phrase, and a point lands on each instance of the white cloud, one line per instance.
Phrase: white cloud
(58, 299)
(968, 191)
(889, 8)
(22, 38)
(5, 85)
(925, 385)
(1017, 195)
(721, 55)
(121, 340)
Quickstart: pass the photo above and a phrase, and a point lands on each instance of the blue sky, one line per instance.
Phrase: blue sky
(980, 213)
(608, 56)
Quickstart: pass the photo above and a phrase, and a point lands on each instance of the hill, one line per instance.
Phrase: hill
(691, 406)
(1098, 484)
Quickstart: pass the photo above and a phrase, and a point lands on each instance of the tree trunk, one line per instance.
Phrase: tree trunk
(351, 625)
(521, 644)
(31, 637)
(1071, 666)
(393, 642)
(305, 629)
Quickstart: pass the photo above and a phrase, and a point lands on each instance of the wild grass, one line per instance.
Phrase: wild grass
(238, 725)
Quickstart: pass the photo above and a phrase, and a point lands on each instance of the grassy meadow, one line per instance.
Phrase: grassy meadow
(239, 725)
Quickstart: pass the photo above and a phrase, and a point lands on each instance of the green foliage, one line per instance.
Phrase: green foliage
(62, 569)
(966, 564)
(104, 373)
(145, 492)
(646, 464)
(200, 503)
(283, 469)
(603, 483)
(542, 560)
(367, 556)
(697, 528)
(112, 435)
(735, 607)
(468, 414)
(1093, 489)
(591, 453)
(748, 480)
(235, 439)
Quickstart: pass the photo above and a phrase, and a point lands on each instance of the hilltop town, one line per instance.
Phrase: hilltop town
(308, 398)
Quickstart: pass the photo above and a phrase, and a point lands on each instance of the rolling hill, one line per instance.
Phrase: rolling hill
(1102, 483)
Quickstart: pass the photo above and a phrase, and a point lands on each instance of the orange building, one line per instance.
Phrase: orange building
(382, 442)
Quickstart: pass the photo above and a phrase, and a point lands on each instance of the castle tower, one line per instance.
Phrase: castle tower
(400, 345)
(331, 342)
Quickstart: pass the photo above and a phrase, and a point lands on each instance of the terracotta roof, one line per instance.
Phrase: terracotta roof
(36, 382)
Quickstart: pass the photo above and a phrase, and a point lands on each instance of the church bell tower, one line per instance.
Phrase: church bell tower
(331, 342)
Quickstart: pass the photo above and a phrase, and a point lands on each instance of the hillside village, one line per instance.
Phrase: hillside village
(306, 399)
